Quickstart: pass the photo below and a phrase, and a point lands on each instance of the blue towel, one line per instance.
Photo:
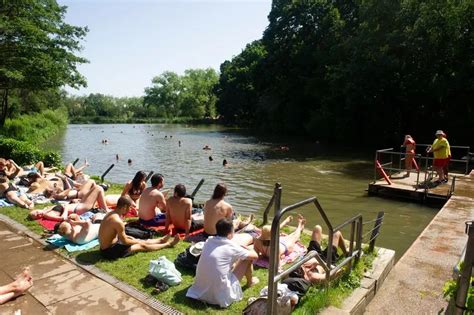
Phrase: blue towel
(59, 241)
(5, 203)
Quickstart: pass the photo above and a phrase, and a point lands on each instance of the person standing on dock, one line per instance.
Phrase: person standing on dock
(410, 146)
(440, 150)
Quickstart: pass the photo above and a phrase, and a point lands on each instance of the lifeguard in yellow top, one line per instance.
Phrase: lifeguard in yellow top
(441, 152)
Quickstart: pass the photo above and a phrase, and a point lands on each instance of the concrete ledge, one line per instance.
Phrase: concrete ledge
(373, 279)
(156, 305)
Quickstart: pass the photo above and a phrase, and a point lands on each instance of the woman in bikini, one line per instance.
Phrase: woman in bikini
(287, 243)
(135, 187)
(72, 172)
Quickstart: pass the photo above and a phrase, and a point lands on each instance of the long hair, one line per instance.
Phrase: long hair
(137, 180)
(220, 191)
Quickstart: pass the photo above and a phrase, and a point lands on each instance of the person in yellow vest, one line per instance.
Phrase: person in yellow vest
(445, 169)
(440, 150)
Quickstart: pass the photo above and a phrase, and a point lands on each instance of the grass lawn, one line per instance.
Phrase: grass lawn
(134, 269)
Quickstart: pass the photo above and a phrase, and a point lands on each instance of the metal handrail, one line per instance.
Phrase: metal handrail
(274, 259)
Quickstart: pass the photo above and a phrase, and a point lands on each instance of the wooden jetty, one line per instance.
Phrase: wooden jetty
(416, 188)
(415, 285)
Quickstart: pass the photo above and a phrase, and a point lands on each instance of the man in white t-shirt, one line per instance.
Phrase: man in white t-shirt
(217, 278)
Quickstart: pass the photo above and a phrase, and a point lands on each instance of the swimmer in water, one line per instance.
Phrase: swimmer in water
(210, 158)
(224, 163)
(129, 161)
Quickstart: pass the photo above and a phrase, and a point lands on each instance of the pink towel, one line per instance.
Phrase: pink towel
(299, 251)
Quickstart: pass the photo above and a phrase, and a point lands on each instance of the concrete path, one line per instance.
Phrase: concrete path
(60, 287)
(415, 285)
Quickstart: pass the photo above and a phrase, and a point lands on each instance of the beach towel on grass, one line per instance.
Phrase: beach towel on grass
(299, 251)
(49, 224)
(173, 231)
(5, 203)
(59, 241)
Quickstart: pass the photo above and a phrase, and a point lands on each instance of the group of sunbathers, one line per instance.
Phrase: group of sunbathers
(225, 255)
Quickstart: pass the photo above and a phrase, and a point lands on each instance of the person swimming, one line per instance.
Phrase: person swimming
(224, 163)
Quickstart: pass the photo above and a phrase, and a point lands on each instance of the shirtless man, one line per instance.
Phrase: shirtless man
(114, 243)
(77, 230)
(178, 211)
(216, 208)
(150, 199)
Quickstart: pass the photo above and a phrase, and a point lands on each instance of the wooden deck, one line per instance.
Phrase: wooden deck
(407, 188)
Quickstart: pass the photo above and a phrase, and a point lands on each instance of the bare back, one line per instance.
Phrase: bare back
(109, 229)
(214, 210)
(150, 199)
(179, 211)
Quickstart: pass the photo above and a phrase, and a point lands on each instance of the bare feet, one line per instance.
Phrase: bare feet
(21, 285)
(24, 274)
(165, 238)
(253, 282)
(301, 221)
(287, 221)
(174, 241)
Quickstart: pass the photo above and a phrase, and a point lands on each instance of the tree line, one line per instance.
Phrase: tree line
(363, 72)
(339, 71)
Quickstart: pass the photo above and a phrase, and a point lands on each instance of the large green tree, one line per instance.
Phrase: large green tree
(37, 48)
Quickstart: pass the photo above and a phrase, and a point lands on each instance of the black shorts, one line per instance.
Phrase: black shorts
(194, 227)
(116, 251)
(313, 245)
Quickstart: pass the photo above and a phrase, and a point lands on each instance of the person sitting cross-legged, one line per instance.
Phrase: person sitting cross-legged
(114, 243)
(221, 266)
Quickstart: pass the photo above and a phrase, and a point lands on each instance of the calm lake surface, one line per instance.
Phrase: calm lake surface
(339, 183)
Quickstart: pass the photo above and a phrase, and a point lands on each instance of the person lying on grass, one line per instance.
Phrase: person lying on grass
(287, 243)
(311, 270)
(221, 266)
(77, 230)
(56, 213)
(13, 194)
(114, 243)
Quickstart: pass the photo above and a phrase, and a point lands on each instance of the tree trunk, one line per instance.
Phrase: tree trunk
(4, 108)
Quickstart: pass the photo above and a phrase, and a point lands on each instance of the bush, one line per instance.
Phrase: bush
(25, 153)
(35, 128)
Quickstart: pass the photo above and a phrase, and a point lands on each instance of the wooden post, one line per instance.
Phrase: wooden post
(375, 230)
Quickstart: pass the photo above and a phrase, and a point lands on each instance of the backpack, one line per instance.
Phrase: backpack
(137, 230)
(186, 260)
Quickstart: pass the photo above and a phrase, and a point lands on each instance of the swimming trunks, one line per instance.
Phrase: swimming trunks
(116, 251)
(11, 187)
(160, 219)
(313, 245)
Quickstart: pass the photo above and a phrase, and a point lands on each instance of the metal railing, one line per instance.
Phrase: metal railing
(464, 280)
(354, 253)
(388, 159)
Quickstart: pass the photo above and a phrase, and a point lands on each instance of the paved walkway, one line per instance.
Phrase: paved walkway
(60, 287)
(415, 285)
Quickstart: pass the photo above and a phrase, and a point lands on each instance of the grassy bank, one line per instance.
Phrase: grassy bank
(20, 137)
(134, 269)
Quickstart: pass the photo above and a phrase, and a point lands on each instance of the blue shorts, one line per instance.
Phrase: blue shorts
(160, 219)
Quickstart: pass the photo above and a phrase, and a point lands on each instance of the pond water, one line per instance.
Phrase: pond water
(254, 167)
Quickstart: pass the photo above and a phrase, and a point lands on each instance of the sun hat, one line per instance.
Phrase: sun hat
(439, 132)
(266, 233)
(196, 249)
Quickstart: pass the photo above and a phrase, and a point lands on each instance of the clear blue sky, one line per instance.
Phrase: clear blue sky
(130, 42)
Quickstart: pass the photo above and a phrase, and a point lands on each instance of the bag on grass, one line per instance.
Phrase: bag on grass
(164, 270)
(187, 259)
(137, 230)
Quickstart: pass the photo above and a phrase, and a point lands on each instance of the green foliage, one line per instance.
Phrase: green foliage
(37, 48)
(450, 290)
(190, 95)
(37, 127)
(335, 70)
(25, 153)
